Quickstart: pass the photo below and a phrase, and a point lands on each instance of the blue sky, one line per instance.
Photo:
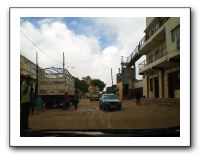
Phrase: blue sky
(82, 26)
(92, 45)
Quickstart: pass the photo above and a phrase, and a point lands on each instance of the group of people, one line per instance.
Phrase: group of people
(67, 100)
(28, 99)
(26, 102)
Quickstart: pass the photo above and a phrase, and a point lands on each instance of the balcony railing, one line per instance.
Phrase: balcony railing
(152, 31)
(142, 41)
(153, 57)
(158, 24)
(132, 55)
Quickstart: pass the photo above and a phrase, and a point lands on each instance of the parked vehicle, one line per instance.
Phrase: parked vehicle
(53, 84)
(109, 101)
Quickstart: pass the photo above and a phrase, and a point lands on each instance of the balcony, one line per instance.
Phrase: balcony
(155, 57)
(154, 34)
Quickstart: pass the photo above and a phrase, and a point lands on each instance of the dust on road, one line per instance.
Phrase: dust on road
(89, 116)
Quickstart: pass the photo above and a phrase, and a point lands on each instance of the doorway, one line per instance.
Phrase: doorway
(156, 85)
(173, 83)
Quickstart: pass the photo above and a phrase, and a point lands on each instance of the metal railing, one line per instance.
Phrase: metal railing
(153, 57)
(131, 56)
(153, 30)
(142, 41)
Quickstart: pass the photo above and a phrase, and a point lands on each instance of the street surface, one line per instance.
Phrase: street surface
(90, 116)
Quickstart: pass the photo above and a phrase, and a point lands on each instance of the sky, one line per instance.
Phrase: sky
(92, 46)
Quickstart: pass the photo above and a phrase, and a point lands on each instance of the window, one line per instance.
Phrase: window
(151, 84)
(176, 34)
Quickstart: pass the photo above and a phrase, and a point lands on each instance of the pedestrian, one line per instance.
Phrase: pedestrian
(65, 101)
(138, 98)
(25, 103)
(76, 100)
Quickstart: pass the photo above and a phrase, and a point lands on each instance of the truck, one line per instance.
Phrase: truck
(52, 82)
(95, 96)
(53, 85)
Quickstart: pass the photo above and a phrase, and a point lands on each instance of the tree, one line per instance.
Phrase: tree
(98, 83)
(81, 85)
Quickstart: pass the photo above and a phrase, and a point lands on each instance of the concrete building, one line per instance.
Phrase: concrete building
(161, 69)
(127, 84)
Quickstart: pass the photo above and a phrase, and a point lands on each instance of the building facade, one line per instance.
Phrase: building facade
(161, 69)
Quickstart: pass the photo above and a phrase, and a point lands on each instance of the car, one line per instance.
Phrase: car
(110, 101)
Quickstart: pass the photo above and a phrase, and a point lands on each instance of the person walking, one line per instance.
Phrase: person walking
(138, 98)
(65, 101)
(76, 100)
(25, 103)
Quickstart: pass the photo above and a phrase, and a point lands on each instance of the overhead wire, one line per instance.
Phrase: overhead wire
(37, 46)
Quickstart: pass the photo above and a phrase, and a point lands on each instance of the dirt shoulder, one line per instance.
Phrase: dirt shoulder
(89, 116)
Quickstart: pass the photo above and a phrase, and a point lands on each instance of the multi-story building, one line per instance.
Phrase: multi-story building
(161, 69)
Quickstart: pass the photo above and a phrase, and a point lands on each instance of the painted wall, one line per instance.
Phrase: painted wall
(169, 26)
(120, 90)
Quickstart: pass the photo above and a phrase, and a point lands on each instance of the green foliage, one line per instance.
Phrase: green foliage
(98, 83)
(112, 89)
(109, 90)
(81, 85)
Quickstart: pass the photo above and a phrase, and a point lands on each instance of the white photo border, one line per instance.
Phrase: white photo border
(185, 125)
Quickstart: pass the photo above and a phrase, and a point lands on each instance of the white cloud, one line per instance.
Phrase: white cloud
(81, 51)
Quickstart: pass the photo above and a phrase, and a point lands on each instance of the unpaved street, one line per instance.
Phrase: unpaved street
(89, 116)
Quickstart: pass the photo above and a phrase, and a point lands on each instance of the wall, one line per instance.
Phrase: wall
(169, 26)
(120, 90)
(128, 74)
(144, 82)
(27, 67)
(166, 72)
(149, 20)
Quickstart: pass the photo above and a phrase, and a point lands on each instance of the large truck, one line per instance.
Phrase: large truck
(53, 85)
(53, 82)
(94, 93)
(95, 96)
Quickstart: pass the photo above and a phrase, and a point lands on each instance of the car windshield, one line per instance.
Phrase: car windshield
(70, 95)
(109, 96)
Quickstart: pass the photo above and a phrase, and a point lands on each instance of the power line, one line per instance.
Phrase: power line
(37, 46)
(78, 62)
(47, 65)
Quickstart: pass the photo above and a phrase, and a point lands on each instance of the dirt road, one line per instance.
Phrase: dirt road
(89, 116)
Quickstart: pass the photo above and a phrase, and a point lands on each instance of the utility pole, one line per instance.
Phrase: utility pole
(63, 64)
(111, 77)
(119, 70)
(36, 85)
